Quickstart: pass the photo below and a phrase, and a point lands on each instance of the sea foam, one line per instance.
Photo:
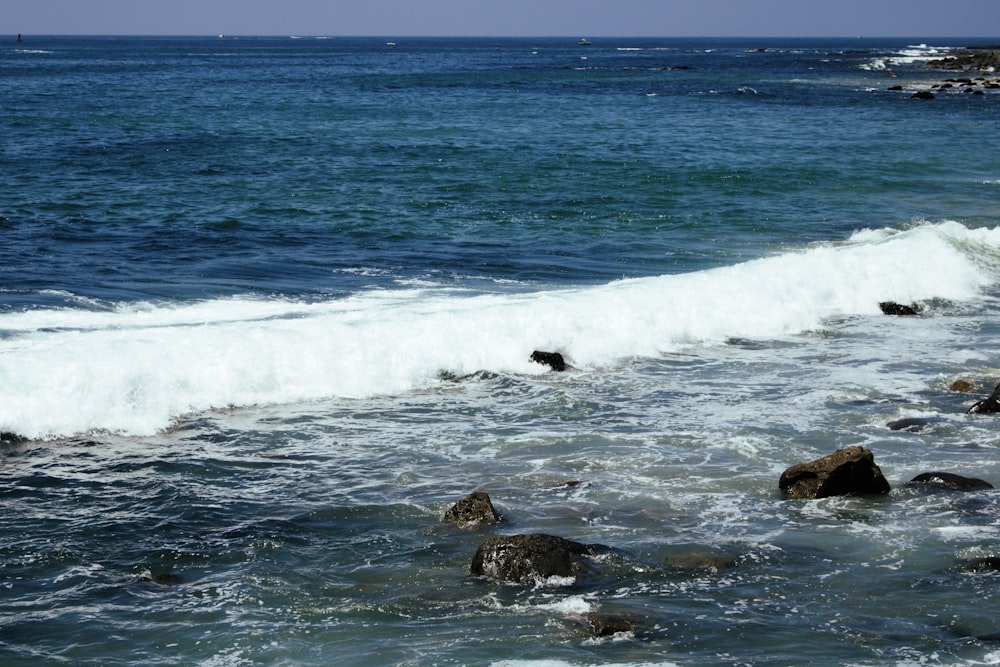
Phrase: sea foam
(137, 368)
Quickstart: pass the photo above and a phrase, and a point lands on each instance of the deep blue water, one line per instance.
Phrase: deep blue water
(266, 308)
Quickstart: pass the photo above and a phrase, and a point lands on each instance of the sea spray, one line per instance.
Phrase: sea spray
(136, 369)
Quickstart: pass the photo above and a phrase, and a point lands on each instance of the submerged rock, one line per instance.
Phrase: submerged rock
(553, 360)
(982, 564)
(527, 558)
(475, 509)
(922, 95)
(908, 424)
(893, 308)
(849, 471)
(987, 405)
(602, 624)
(698, 558)
(950, 481)
(962, 386)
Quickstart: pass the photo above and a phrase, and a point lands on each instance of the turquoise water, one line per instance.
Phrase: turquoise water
(267, 307)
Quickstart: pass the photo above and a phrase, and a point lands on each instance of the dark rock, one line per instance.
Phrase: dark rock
(473, 510)
(600, 624)
(895, 88)
(987, 405)
(163, 579)
(964, 59)
(527, 558)
(984, 564)
(8, 438)
(848, 471)
(963, 386)
(922, 95)
(893, 308)
(950, 481)
(553, 360)
(699, 559)
(908, 424)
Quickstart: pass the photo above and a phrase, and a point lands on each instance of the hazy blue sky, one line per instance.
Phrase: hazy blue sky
(875, 18)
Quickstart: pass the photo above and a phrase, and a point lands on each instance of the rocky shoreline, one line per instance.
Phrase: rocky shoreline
(976, 63)
(981, 59)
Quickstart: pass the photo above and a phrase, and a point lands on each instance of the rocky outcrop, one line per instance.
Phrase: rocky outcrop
(847, 472)
(968, 59)
(474, 510)
(553, 360)
(950, 481)
(987, 405)
(529, 558)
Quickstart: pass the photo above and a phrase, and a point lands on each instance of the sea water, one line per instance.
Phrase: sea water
(267, 307)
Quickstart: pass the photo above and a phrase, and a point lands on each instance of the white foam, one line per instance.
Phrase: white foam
(136, 368)
(571, 605)
(562, 663)
(913, 53)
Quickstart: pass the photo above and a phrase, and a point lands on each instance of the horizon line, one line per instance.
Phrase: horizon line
(483, 36)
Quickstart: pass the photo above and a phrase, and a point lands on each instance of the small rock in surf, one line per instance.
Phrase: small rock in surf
(846, 472)
(553, 360)
(474, 510)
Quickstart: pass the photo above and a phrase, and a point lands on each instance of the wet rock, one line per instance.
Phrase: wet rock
(528, 558)
(848, 471)
(697, 559)
(893, 308)
(987, 405)
(602, 624)
(912, 424)
(982, 564)
(950, 481)
(474, 510)
(9, 438)
(963, 386)
(922, 95)
(553, 360)
(162, 579)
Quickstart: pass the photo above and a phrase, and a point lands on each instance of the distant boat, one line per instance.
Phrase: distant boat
(584, 42)
(391, 45)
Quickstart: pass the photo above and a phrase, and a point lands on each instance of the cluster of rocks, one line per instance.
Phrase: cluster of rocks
(537, 557)
(982, 59)
(540, 558)
(852, 471)
(978, 62)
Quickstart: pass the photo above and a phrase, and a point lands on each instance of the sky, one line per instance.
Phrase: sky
(579, 18)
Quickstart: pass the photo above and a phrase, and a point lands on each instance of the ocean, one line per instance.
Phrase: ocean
(267, 308)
